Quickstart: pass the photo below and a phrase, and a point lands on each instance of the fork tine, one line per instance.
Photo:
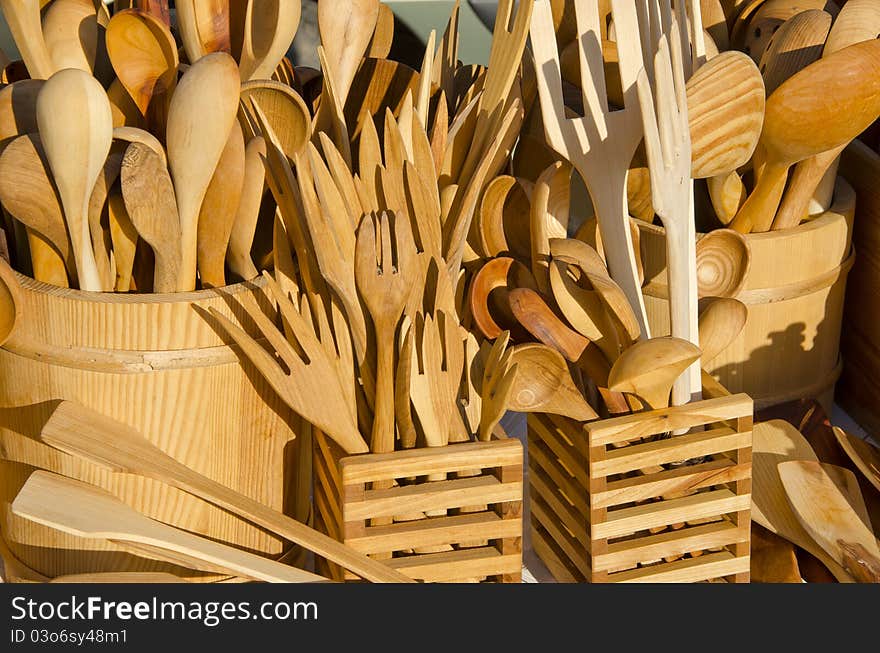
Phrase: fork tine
(593, 89)
(302, 331)
(549, 75)
(259, 357)
(423, 97)
(385, 254)
(629, 48)
(502, 16)
(653, 149)
(664, 99)
(680, 67)
(276, 339)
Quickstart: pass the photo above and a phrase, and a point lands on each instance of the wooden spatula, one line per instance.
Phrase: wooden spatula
(91, 512)
(78, 431)
(864, 455)
(827, 516)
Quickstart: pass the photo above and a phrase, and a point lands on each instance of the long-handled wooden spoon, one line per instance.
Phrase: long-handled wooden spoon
(204, 27)
(201, 115)
(124, 237)
(23, 19)
(826, 514)
(796, 44)
(150, 203)
(238, 257)
(91, 512)
(543, 384)
(799, 122)
(269, 29)
(722, 319)
(74, 36)
(76, 128)
(78, 431)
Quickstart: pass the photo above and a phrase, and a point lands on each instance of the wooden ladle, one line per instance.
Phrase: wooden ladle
(543, 384)
(649, 368)
(802, 120)
(723, 261)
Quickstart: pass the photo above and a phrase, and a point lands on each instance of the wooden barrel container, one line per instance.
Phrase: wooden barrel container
(160, 364)
(794, 290)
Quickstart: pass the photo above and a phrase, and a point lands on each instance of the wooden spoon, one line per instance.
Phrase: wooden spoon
(543, 384)
(774, 442)
(284, 110)
(136, 135)
(76, 128)
(727, 193)
(857, 21)
(864, 455)
(725, 99)
(238, 257)
(24, 21)
(91, 512)
(28, 192)
(10, 301)
(18, 108)
(149, 199)
(346, 31)
(124, 237)
(796, 44)
(796, 128)
(827, 516)
(269, 29)
(383, 35)
(74, 36)
(758, 22)
(488, 295)
(144, 55)
(81, 432)
(548, 218)
(721, 321)
(203, 110)
(649, 368)
(219, 209)
(101, 241)
(204, 27)
(723, 261)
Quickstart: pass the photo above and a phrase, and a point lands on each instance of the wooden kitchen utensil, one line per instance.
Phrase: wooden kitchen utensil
(727, 193)
(23, 19)
(601, 145)
(201, 115)
(795, 129)
(384, 281)
(774, 442)
(722, 319)
(238, 257)
(269, 29)
(203, 27)
(124, 237)
(136, 135)
(81, 432)
(284, 110)
(797, 43)
(101, 242)
(543, 384)
(76, 129)
(346, 31)
(864, 455)
(723, 261)
(548, 218)
(18, 108)
(499, 375)
(488, 294)
(74, 32)
(825, 513)
(219, 209)
(150, 202)
(123, 577)
(649, 368)
(91, 512)
(144, 55)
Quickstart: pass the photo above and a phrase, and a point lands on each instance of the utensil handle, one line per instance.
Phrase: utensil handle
(863, 566)
(383, 419)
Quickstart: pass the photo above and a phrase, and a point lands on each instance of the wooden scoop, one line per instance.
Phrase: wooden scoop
(723, 261)
(775, 442)
(149, 199)
(144, 55)
(722, 319)
(269, 29)
(649, 368)
(864, 455)
(81, 432)
(827, 516)
(201, 115)
(802, 120)
(543, 384)
(91, 512)
(76, 128)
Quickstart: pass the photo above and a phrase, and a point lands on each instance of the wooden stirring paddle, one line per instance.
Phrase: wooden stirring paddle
(79, 431)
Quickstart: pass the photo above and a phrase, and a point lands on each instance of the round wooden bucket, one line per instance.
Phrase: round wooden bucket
(160, 364)
(790, 346)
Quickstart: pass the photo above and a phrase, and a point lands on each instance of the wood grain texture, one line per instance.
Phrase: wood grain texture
(269, 29)
(185, 389)
(798, 272)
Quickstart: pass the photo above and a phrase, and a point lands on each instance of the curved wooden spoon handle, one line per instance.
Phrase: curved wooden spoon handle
(863, 566)
(804, 180)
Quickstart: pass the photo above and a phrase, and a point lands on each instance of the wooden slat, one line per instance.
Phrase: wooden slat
(574, 550)
(324, 450)
(458, 565)
(541, 456)
(571, 430)
(435, 531)
(641, 425)
(556, 562)
(437, 495)
(542, 486)
(669, 543)
(324, 474)
(679, 479)
(367, 468)
(687, 570)
(330, 515)
(663, 513)
(660, 452)
(574, 461)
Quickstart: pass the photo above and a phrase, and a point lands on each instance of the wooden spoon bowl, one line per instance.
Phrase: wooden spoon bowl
(723, 261)
(488, 296)
(543, 384)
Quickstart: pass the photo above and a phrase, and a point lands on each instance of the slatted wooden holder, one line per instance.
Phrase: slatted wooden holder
(608, 503)
(486, 543)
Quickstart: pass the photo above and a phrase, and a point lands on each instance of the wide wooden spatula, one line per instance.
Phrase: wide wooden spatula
(91, 512)
(79, 431)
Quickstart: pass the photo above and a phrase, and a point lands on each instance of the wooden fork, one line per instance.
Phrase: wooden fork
(600, 145)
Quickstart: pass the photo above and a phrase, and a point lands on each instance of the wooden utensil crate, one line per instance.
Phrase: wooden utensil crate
(482, 496)
(608, 502)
